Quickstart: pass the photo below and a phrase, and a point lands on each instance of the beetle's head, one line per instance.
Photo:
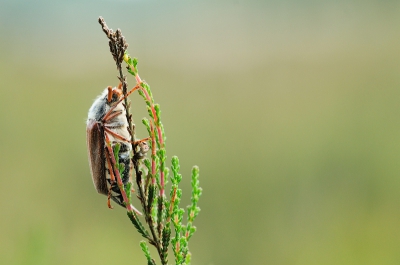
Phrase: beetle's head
(114, 94)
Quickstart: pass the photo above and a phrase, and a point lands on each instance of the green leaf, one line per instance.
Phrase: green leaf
(166, 175)
(154, 210)
(146, 123)
(151, 197)
(142, 94)
(145, 249)
(176, 177)
(146, 252)
(129, 69)
(150, 112)
(121, 168)
(127, 189)
(160, 213)
(161, 153)
(147, 163)
(158, 113)
(175, 164)
(134, 62)
(163, 133)
(147, 88)
(196, 190)
(116, 149)
(139, 226)
(188, 258)
(166, 233)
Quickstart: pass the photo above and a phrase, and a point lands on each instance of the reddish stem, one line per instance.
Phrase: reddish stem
(171, 206)
(153, 153)
(177, 247)
(162, 184)
(159, 131)
(152, 106)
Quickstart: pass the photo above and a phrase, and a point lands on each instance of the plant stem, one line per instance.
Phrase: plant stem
(159, 132)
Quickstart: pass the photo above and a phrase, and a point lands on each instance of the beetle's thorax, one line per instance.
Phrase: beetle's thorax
(100, 108)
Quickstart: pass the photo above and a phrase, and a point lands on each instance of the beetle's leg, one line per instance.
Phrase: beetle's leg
(142, 140)
(112, 178)
(111, 168)
(130, 91)
(120, 100)
(110, 115)
(118, 177)
(142, 143)
(116, 135)
(109, 199)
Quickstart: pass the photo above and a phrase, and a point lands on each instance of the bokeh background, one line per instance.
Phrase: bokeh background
(289, 108)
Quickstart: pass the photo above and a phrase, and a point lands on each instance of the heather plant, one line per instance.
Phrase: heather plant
(162, 223)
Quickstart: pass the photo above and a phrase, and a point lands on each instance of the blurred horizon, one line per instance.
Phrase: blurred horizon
(290, 109)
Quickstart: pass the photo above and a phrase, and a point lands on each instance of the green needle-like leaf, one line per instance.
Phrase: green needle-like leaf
(139, 226)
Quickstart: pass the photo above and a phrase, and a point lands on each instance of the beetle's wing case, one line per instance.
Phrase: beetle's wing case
(95, 144)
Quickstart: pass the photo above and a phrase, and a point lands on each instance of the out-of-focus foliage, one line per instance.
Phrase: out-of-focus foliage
(290, 109)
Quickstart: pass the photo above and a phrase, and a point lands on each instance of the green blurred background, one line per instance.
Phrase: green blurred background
(290, 108)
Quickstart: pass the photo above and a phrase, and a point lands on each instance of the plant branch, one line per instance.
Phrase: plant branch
(159, 212)
(118, 47)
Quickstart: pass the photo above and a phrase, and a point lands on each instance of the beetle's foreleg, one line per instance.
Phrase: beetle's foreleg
(110, 115)
(120, 100)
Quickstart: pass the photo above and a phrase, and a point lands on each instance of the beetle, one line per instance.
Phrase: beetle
(107, 126)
